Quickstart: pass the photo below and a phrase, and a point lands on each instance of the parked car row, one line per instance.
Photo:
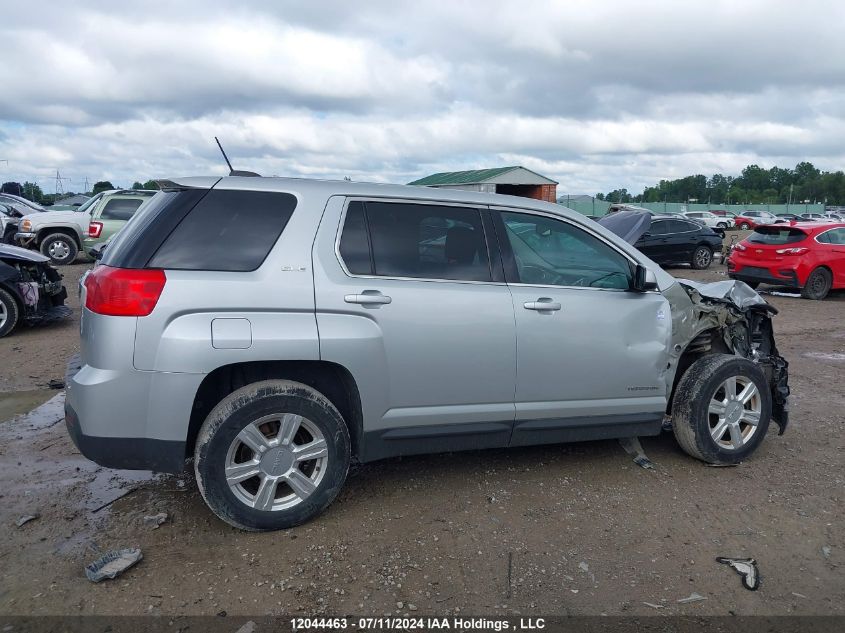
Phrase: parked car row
(60, 235)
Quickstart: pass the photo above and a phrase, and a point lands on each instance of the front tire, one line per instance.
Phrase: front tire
(61, 248)
(9, 313)
(722, 225)
(721, 409)
(271, 455)
(818, 284)
(702, 257)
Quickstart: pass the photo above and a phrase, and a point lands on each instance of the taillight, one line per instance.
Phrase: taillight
(791, 251)
(94, 229)
(123, 291)
(739, 247)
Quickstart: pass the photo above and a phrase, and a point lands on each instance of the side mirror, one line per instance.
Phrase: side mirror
(644, 279)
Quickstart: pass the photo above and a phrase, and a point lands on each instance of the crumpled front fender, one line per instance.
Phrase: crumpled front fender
(741, 319)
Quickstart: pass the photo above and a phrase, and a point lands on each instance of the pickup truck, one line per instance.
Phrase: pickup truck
(60, 235)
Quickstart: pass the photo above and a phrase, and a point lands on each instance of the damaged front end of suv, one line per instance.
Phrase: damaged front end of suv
(728, 317)
(725, 376)
(31, 290)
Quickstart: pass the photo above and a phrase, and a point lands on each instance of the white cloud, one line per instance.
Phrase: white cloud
(595, 94)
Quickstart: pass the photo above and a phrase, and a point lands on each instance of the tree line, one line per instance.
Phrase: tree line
(31, 190)
(756, 185)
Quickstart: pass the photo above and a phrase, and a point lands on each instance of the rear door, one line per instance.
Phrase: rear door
(655, 243)
(411, 300)
(590, 354)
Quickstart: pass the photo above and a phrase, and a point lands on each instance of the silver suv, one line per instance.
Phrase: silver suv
(275, 329)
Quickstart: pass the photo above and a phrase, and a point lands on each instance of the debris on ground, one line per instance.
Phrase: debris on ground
(693, 597)
(826, 551)
(26, 519)
(745, 567)
(633, 447)
(249, 627)
(653, 606)
(798, 595)
(113, 564)
(586, 569)
(56, 384)
(155, 520)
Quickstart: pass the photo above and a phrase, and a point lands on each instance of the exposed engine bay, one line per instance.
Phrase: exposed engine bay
(34, 285)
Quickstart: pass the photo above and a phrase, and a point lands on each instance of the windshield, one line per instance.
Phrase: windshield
(776, 234)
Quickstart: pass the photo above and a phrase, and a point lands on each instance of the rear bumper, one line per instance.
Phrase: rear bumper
(126, 453)
(787, 278)
(129, 419)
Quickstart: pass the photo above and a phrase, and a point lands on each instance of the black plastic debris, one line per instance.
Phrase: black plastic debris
(745, 567)
(113, 564)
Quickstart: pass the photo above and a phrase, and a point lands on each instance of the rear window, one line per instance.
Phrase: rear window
(776, 235)
(226, 231)
(120, 208)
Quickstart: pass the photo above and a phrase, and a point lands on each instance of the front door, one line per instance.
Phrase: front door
(409, 303)
(591, 354)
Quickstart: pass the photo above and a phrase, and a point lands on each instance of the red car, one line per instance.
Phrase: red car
(751, 219)
(806, 255)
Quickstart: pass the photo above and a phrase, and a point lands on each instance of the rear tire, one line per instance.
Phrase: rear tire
(702, 257)
(61, 248)
(9, 313)
(744, 226)
(710, 420)
(818, 284)
(252, 457)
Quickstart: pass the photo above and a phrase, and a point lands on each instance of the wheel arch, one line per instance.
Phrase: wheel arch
(334, 381)
(66, 230)
(706, 342)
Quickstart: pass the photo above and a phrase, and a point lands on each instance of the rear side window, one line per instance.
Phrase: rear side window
(227, 231)
(774, 234)
(120, 208)
(422, 241)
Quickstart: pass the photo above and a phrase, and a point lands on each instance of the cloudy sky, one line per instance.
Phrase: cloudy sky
(596, 94)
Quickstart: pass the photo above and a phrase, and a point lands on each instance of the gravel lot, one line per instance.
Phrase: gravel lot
(570, 529)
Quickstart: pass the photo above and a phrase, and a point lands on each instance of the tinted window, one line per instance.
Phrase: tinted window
(659, 227)
(776, 234)
(354, 245)
(553, 252)
(680, 226)
(424, 241)
(226, 230)
(120, 208)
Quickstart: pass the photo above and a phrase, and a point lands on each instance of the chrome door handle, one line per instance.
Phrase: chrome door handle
(368, 298)
(543, 304)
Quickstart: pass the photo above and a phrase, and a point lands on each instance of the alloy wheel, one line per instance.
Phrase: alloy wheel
(58, 250)
(276, 462)
(734, 412)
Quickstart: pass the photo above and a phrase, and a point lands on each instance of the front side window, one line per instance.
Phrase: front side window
(552, 252)
(396, 239)
(120, 208)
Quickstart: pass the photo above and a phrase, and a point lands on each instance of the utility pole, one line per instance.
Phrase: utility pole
(60, 183)
(86, 185)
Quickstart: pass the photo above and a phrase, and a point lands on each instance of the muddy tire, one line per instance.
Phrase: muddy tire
(721, 409)
(9, 313)
(271, 455)
(702, 257)
(61, 248)
(818, 284)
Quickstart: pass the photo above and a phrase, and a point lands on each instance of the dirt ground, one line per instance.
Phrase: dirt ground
(570, 529)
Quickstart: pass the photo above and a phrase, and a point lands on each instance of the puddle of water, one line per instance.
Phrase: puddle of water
(17, 402)
(826, 356)
(38, 458)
